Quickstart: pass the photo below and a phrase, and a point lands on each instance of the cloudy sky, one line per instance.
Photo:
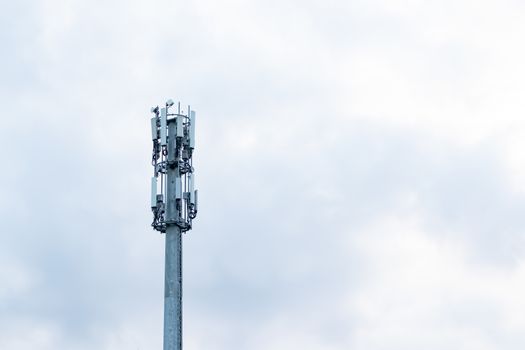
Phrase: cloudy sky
(360, 164)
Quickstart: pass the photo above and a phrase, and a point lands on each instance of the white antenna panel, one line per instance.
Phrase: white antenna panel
(154, 192)
(163, 127)
(180, 130)
(154, 128)
(192, 129)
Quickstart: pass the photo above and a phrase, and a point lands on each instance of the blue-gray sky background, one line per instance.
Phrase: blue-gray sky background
(361, 168)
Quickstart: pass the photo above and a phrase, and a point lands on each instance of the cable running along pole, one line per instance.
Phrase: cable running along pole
(173, 203)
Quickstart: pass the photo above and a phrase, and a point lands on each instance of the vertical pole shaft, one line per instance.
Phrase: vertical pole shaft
(173, 290)
(173, 262)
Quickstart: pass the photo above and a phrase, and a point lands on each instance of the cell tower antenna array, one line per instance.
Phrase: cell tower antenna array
(173, 202)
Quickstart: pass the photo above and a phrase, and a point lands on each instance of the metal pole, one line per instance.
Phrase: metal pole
(173, 263)
(175, 207)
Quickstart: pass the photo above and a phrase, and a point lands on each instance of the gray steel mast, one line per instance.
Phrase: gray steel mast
(174, 204)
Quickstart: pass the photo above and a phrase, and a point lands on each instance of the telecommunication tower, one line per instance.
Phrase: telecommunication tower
(173, 202)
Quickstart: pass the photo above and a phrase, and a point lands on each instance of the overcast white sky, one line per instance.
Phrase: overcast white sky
(360, 164)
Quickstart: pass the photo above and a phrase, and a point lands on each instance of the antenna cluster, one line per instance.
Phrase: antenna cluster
(173, 136)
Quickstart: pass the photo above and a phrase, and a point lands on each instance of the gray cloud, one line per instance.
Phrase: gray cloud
(357, 189)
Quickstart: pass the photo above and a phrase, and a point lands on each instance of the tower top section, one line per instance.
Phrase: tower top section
(173, 195)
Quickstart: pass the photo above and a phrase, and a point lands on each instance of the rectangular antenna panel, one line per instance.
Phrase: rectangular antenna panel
(196, 198)
(154, 192)
(178, 188)
(192, 129)
(180, 130)
(163, 128)
(154, 128)
(191, 178)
